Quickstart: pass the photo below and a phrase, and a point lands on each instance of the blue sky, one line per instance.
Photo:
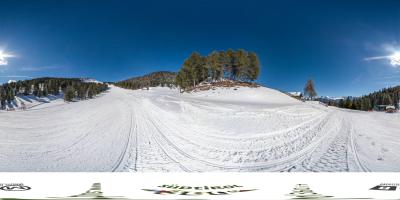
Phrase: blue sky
(344, 46)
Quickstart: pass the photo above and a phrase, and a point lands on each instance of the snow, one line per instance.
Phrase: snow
(332, 98)
(22, 102)
(244, 95)
(235, 129)
(90, 80)
(296, 94)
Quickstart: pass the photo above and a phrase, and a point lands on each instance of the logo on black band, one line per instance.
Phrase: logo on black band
(386, 187)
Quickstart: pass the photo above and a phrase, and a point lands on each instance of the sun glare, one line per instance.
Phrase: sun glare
(3, 57)
(395, 59)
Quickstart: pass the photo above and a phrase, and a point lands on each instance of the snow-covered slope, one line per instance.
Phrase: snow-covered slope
(90, 80)
(22, 102)
(247, 129)
(244, 95)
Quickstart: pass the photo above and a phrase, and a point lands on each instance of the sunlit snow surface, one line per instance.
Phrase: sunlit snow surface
(247, 129)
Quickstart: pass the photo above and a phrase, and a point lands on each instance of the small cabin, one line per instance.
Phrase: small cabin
(390, 109)
(385, 108)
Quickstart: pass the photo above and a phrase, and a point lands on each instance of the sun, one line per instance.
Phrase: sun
(3, 57)
(395, 59)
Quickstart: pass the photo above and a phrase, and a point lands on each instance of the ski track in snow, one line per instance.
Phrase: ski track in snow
(223, 130)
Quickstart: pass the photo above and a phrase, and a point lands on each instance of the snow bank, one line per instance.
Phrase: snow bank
(259, 95)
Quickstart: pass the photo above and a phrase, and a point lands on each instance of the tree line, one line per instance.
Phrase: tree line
(384, 97)
(237, 65)
(71, 88)
(162, 78)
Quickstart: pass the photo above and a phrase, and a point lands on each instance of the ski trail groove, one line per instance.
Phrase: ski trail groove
(273, 163)
(125, 150)
(149, 123)
(136, 148)
(354, 151)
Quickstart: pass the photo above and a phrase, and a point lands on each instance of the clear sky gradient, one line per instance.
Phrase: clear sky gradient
(333, 42)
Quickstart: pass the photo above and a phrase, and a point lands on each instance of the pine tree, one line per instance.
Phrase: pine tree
(222, 63)
(214, 65)
(69, 93)
(230, 68)
(348, 103)
(10, 95)
(90, 92)
(242, 68)
(387, 100)
(254, 66)
(2, 99)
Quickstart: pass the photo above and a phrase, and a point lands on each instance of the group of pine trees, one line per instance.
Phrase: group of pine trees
(387, 96)
(162, 78)
(70, 87)
(233, 65)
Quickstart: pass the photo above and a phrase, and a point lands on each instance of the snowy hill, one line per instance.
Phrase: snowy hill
(90, 80)
(245, 95)
(161, 129)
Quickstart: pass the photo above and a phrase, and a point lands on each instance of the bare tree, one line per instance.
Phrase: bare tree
(309, 89)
